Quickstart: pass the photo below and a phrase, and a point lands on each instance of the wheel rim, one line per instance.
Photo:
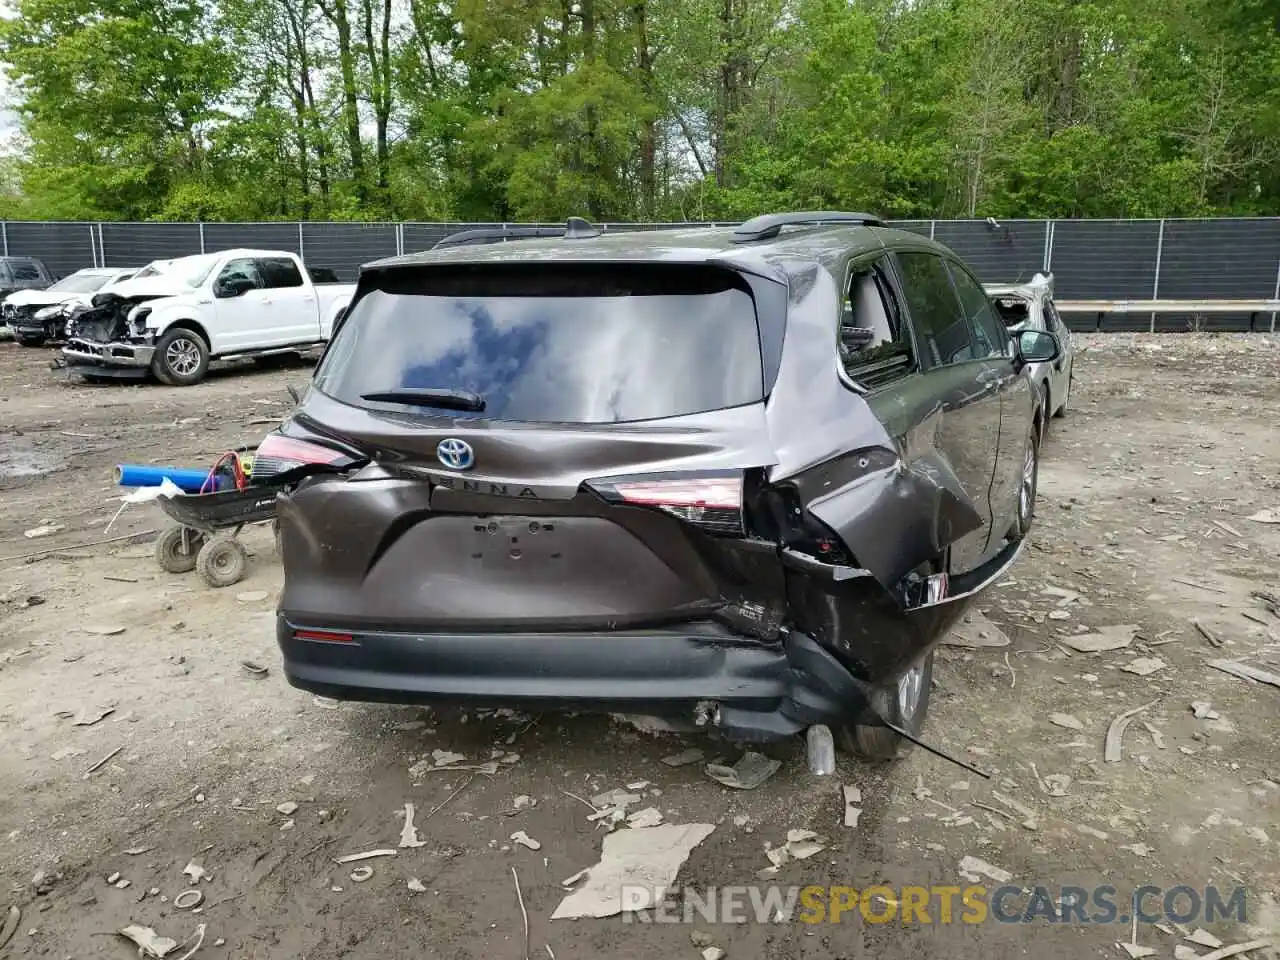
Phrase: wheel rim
(223, 562)
(182, 356)
(1027, 489)
(909, 687)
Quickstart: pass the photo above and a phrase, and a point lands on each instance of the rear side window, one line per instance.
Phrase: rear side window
(24, 270)
(941, 329)
(279, 272)
(875, 346)
(579, 343)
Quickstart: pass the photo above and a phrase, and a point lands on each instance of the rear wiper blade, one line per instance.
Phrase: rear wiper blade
(430, 397)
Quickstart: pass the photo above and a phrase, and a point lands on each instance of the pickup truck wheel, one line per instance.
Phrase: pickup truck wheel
(904, 704)
(181, 358)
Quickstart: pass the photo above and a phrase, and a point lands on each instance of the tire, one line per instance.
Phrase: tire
(29, 340)
(1028, 484)
(181, 358)
(1048, 406)
(905, 704)
(222, 561)
(170, 552)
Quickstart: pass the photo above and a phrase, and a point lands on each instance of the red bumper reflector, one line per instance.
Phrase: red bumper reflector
(323, 636)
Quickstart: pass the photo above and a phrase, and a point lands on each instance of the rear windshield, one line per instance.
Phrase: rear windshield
(81, 283)
(539, 342)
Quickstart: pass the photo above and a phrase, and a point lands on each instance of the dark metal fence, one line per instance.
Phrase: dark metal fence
(1090, 259)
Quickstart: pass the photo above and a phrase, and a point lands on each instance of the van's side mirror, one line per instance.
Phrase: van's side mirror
(1035, 346)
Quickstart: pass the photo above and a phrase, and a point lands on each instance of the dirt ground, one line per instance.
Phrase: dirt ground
(1172, 443)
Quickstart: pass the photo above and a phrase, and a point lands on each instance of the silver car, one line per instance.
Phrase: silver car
(1029, 306)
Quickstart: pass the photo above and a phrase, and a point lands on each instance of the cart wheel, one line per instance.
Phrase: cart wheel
(222, 562)
(175, 556)
(275, 532)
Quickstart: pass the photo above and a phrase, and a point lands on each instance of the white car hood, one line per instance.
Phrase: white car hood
(160, 286)
(39, 298)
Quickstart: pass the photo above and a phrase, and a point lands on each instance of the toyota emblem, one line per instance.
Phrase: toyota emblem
(455, 454)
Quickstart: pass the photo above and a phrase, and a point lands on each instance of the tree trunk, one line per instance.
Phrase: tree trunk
(379, 53)
(649, 125)
(337, 15)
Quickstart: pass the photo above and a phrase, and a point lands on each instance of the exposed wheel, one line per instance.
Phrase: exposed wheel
(904, 704)
(176, 553)
(222, 562)
(181, 358)
(1028, 483)
(29, 339)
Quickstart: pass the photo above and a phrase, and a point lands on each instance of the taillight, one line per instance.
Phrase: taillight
(709, 501)
(278, 453)
(323, 636)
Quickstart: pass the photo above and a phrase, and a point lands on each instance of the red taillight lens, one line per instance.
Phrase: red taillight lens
(278, 453)
(323, 636)
(712, 502)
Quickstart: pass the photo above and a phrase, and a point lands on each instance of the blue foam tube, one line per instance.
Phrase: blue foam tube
(186, 479)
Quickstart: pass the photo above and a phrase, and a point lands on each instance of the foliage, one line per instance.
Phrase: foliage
(641, 109)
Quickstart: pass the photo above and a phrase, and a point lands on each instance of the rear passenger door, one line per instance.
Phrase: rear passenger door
(993, 349)
(293, 313)
(962, 390)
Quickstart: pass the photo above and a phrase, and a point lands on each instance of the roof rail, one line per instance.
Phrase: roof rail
(770, 225)
(500, 234)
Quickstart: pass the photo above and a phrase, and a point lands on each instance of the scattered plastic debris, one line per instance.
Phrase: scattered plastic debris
(361, 874)
(1182, 952)
(367, 855)
(409, 832)
(523, 802)
(148, 942)
(1112, 750)
(1245, 672)
(48, 529)
(1114, 637)
(611, 807)
(88, 718)
(800, 845)
(188, 899)
(972, 868)
(644, 861)
(1137, 951)
(1138, 849)
(1270, 515)
(251, 596)
(1143, 666)
(648, 817)
(1156, 736)
(1065, 720)
(444, 758)
(194, 872)
(417, 886)
(254, 668)
(288, 808)
(684, 758)
(852, 797)
(712, 953)
(112, 878)
(751, 770)
(525, 840)
(1204, 938)
(1203, 710)
(103, 630)
(1237, 948)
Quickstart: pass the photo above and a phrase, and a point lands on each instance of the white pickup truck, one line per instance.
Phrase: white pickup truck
(216, 306)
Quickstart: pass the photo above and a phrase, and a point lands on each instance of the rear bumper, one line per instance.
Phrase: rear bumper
(88, 353)
(751, 691)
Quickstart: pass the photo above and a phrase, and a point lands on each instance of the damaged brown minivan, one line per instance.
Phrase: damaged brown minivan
(735, 477)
